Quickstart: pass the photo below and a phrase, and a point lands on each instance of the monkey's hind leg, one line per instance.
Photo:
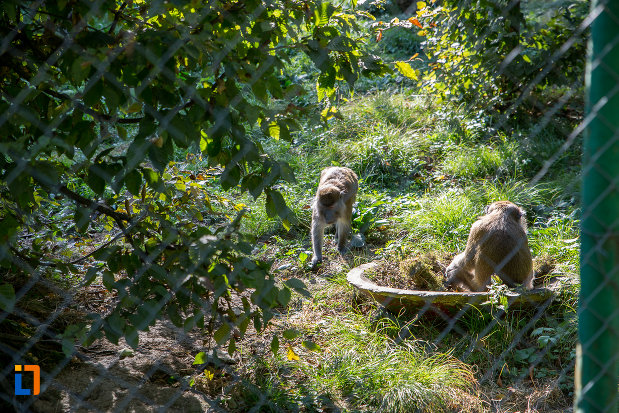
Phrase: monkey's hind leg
(528, 282)
(342, 229)
(483, 272)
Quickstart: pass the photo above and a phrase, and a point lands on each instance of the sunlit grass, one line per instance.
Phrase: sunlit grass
(363, 369)
(441, 221)
(373, 371)
(470, 163)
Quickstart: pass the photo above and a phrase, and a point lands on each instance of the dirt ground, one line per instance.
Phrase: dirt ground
(106, 377)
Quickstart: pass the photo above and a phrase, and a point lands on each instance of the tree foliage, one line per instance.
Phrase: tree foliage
(95, 98)
(486, 53)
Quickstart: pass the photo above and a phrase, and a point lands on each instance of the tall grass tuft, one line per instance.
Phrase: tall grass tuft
(441, 222)
(374, 372)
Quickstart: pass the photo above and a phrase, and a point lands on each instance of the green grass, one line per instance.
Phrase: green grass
(362, 369)
(441, 221)
(470, 163)
(375, 372)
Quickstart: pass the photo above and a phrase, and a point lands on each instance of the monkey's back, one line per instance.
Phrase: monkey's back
(501, 243)
(345, 179)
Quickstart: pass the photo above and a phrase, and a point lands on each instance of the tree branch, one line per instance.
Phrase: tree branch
(102, 116)
(122, 233)
(97, 115)
(117, 16)
(104, 209)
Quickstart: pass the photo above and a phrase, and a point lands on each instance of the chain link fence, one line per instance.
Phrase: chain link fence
(133, 134)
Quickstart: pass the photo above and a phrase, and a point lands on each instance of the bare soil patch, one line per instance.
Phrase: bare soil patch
(153, 377)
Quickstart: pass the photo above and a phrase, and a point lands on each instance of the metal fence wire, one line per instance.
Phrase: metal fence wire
(135, 134)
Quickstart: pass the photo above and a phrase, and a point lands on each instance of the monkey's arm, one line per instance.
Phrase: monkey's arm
(317, 234)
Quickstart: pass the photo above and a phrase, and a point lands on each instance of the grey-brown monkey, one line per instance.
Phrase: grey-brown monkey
(333, 202)
(497, 244)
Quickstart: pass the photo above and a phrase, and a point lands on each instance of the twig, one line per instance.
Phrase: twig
(31, 260)
(117, 16)
(104, 209)
(116, 237)
(97, 115)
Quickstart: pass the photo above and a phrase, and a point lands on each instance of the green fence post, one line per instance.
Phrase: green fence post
(597, 375)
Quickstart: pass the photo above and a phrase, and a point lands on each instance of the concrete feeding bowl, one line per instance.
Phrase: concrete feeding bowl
(397, 300)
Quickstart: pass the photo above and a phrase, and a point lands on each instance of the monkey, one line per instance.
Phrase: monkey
(336, 194)
(497, 244)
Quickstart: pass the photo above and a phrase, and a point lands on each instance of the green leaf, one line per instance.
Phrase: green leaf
(108, 280)
(283, 296)
(104, 254)
(231, 176)
(341, 44)
(135, 107)
(7, 298)
(291, 334)
(286, 172)
(221, 335)
(276, 205)
(173, 313)
(200, 358)
(122, 132)
(303, 256)
(260, 90)
(82, 218)
(21, 187)
(286, 224)
(91, 274)
(153, 179)
(298, 286)
(161, 155)
(310, 345)
(504, 302)
(131, 336)
(325, 86)
(274, 130)
(232, 347)
(323, 13)
(270, 207)
(94, 179)
(8, 228)
(133, 180)
(243, 325)
(526, 58)
(93, 92)
(295, 283)
(275, 344)
(113, 327)
(190, 322)
(112, 97)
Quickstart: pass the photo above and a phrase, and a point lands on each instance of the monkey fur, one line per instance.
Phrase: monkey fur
(497, 244)
(336, 194)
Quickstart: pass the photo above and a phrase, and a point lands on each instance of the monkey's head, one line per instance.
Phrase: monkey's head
(328, 203)
(454, 274)
(505, 207)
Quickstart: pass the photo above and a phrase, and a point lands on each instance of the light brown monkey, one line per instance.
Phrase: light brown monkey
(498, 245)
(333, 202)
